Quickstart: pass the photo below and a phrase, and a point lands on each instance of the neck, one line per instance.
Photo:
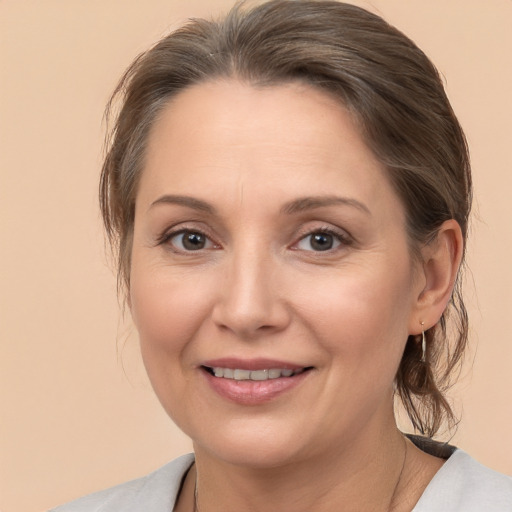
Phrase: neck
(338, 481)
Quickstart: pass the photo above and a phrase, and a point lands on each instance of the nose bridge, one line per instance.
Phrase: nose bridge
(250, 301)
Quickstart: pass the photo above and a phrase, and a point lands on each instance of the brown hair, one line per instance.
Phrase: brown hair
(380, 75)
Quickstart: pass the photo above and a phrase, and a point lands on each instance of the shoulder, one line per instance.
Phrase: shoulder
(464, 485)
(155, 492)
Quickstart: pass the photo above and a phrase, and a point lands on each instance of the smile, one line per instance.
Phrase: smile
(254, 375)
(254, 381)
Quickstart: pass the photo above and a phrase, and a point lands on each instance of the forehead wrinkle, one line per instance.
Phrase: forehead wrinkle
(241, 194)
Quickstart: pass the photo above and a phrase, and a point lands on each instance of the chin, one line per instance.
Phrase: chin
(255, 455)
(259, 446)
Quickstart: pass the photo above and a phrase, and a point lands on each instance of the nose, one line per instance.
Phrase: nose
(251, 301)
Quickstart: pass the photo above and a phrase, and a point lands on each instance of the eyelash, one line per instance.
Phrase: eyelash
(342, 238)
(167, 236)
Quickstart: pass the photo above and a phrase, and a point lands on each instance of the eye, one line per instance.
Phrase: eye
(188, 240)
(320, 241)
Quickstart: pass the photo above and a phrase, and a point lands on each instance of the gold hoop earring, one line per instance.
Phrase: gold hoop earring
(423, 344)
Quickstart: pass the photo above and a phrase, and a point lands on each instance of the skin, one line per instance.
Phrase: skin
(259, 288)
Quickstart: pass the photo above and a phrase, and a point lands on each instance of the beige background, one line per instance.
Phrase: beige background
(77, 413)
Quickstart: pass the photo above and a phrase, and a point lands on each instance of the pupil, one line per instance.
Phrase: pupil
(193, 241)
(321, 242)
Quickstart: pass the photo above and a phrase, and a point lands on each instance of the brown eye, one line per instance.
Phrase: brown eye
(190, 241)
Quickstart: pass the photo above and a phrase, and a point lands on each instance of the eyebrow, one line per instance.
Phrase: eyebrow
(296, 206)
(310, 203)
(189, 202)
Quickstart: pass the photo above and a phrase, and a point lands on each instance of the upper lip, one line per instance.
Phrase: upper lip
(252, 364)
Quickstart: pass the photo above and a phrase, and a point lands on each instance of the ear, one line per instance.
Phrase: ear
(440, 264)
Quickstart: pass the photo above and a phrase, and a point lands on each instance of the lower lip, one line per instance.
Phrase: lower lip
(250, 392)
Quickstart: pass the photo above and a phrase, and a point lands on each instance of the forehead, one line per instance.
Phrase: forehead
(287, 138)
(245, 113)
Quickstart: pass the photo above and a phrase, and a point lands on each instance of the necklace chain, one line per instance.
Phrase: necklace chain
(196, 501)
(399, 475)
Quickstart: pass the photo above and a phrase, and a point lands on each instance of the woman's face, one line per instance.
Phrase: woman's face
(268, 242)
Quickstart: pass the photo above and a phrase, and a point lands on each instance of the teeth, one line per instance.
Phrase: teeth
(229, 373)
(259, 375)
(237, 374)
(242, 375)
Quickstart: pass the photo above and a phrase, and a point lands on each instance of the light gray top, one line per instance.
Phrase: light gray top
(461, 485)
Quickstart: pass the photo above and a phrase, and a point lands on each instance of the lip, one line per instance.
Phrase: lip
(248, 392)
(252, 364)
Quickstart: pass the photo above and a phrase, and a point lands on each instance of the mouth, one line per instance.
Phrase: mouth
(253, 382)
(240, 374)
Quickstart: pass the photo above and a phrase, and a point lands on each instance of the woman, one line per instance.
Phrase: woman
(288, 190)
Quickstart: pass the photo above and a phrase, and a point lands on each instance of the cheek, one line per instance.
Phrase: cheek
(360, 314)
(167, 309)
